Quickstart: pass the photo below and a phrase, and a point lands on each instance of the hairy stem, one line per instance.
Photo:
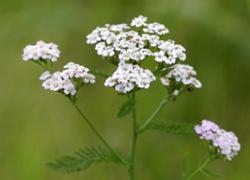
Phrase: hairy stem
(134, 140)
(199, 169)
(124, 162)
(152, 116)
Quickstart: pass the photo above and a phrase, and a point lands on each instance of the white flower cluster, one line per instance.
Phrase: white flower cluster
(182, 73)
(226, 142)
(129, 76)
(41, 51)
(66, 81)
(136, 42)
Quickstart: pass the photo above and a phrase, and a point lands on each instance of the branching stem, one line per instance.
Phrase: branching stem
(152, 116)
(123, 161)
(199, 169)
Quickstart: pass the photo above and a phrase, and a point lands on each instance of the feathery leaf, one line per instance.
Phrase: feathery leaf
(83, 159)
(172, 127)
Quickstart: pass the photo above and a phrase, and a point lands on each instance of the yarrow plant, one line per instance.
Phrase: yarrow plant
(128, 47)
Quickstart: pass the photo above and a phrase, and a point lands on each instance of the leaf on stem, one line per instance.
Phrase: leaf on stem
(83, 159)
(172, 127)
(125, 109)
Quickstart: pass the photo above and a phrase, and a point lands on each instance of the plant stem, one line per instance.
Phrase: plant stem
(152, 116)
(123, 161)
(99, 73)
(199, 169)
(131, 168)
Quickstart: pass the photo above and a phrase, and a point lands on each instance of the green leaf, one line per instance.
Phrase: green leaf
(208, 173)
(172, 127)
(125, 109)
(83, 159)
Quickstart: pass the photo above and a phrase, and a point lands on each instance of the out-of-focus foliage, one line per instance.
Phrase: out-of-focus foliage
(36, 125)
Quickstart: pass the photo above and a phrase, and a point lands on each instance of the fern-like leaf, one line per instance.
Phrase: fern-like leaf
(83, 159)
(172, 127)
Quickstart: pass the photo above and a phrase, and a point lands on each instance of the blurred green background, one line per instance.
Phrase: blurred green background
(36, 125)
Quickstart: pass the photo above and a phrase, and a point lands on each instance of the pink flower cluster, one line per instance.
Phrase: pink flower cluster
(226, 142)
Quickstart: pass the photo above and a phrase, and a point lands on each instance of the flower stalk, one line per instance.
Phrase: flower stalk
(199, 169)
(152, 116)
(98, 134)
(131, 168)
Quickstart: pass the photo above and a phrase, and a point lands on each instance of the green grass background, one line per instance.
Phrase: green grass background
(36, 125)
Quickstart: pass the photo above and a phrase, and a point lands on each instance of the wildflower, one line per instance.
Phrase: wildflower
(127, 43)
(57, 82)
(225, 142)
(128, 77)
(73, 70)
(172, 51)
(181, 73)
(41, 51)
(67, 81)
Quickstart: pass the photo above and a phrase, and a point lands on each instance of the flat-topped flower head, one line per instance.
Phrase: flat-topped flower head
(57, 82)
(136, 42)
(226, 143)
(128, 77)
(73, 70)
(181, 74)
(68, 81)
(170, 52)
(41, 51)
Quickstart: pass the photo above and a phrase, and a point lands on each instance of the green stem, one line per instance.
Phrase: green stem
(39, 64)
(131, 168)
(47, 66)
(98, 73)
(199, 169)
(152, 116)
(124, 162)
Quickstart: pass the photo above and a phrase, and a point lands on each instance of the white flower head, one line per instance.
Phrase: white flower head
(41, 51)
(128, 77)
(156, 28)
(136, 44)
(73, 70)
(226, 142)
(66, 81)
(182, 73)
(172, 51)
